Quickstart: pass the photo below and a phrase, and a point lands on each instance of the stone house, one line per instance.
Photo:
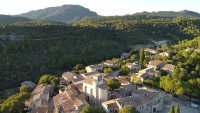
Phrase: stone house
(133, 66)
(95, 89)
(40, 98)
(145, 100)
(111, 63)
(68, 77)
(164, 66)
(95, 68)
(69, 101)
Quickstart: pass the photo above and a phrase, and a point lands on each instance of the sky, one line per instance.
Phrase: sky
(102, 7)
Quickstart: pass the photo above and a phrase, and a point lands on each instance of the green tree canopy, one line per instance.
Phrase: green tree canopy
(135, 79)
(107, 70)
(172, 109)
(25, 88)
(124, 70)
(177, 108)
(91, 109)
(128, 109)
(142, 56)
(78, 67)
(113, 84)
(15, 103)
(48, 79)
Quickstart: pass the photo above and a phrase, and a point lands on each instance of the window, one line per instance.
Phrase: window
(91, 91)
(85, 89)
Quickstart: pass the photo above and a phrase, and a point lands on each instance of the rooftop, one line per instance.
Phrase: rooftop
(157, 63)
(129, 64)
(86, 75)
(68, 75)
(78, 78)
(111, 104)
(111, 62)
(89, 81)
(151, 50)
(40, 110)
(169, 67)
(70, 99)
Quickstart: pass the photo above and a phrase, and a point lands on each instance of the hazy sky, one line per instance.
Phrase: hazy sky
(102, 7)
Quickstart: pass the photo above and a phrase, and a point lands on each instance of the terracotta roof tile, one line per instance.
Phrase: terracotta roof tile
(169, 67)
(68, 75)
(110, 62)
(88, 81)
(40, 110)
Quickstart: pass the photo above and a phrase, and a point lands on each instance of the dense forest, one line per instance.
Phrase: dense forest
(29, 50)
(185, 79)
(182, 13)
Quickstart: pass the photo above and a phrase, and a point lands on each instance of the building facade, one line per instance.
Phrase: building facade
(95, 89)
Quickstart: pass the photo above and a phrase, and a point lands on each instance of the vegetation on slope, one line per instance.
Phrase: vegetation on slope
(185, 79)
(36, 49)
(6, 19)
(183, 13)
(174, 28)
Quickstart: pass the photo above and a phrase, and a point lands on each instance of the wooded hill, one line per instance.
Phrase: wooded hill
(65, 13)
(28, 51)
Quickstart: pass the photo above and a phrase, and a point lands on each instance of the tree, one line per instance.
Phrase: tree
(128, 109)
(172, 109)
(142, 56)
(135, 79)
(55, 80)
(91, 109)
(177, 108)
(167, 83)
(165, 47)
(15, 103)
(107, 70)
(124, 70)
(87, 109)
(25, 88)
(49, 79)
(78, 67)
(113, 84)
(44, 79)
(133, 57)
(180, 91)
(197, 69)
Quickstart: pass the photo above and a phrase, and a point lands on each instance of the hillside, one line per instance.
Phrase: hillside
(38, 23)
(6, 19)
(183, 13)
(28, 51)
(160, 27)
(65, 13)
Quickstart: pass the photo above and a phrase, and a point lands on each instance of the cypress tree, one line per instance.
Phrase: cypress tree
(172, 109)
(177, 108)
(142, 56)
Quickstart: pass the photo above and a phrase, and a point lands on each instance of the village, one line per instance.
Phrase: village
(77, 90)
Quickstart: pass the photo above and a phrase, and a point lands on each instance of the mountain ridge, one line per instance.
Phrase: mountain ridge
(64, 13)
(182, 13)
(8, 19)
